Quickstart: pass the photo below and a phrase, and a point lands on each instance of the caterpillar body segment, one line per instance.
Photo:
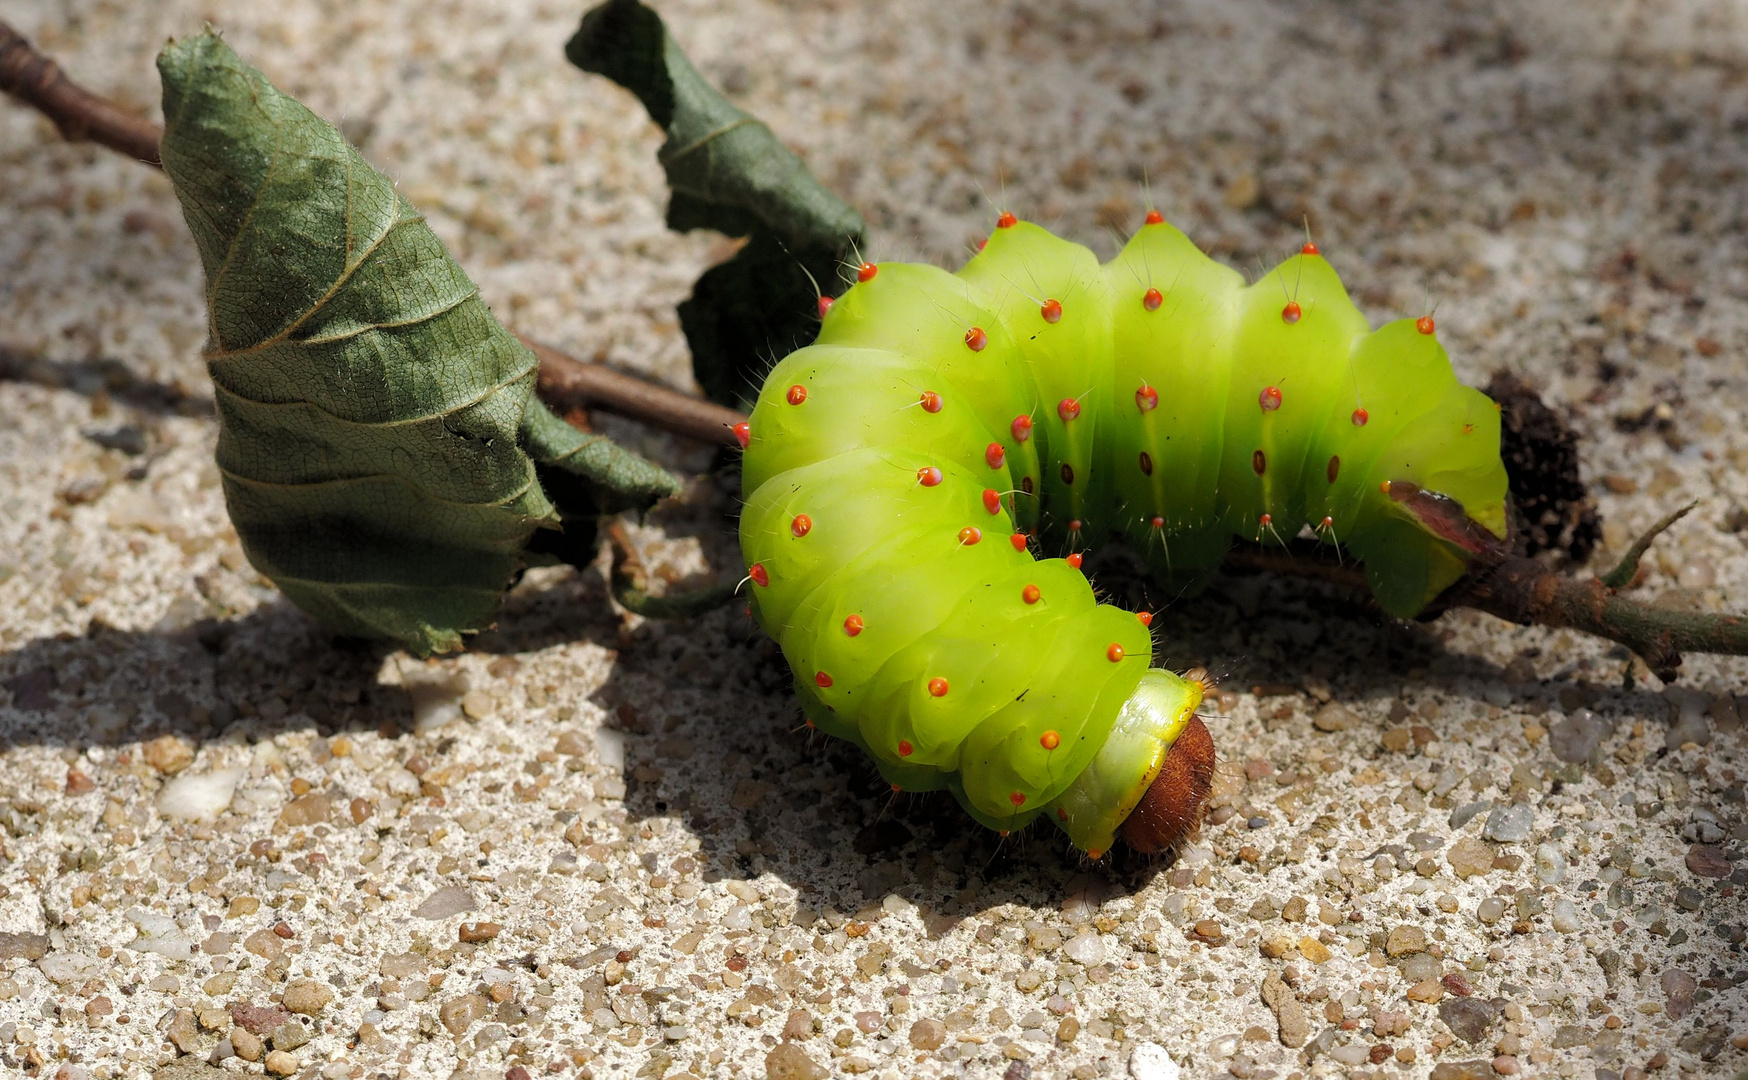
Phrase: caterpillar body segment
(900, 471)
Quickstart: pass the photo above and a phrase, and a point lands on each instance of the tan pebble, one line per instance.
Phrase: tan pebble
(1243, 192)
(307, 996)
(1396, 740)
(1209, 931)
(169, 754)
(800, 1025)
(1469, 857)
(246, 1043)
(1313, 950)
(1277, 946)
(1405, 941)
(341, 746)
(787, 1061)
(1333, 717)
(265, 944)
(280, 1063)
(361, 809)
(1067, 1030)
(479, 931)
(311, 809)
(242, 905)
(476, 704)
(1289, 1012)
(1740, 1040)
(928, 1034)
(459, 1014)
(1427, 991)
(1620, 485)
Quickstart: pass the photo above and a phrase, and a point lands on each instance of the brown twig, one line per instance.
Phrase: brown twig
(79, 114)
(1514, 588)
(567, 383)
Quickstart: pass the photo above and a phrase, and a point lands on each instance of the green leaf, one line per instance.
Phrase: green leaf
(729, 173)
(381, 448)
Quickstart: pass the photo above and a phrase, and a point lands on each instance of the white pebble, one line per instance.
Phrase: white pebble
(1151, 1062)
(199, 797)
(1565, 917)
(610, 749)
(159, 934)
(1550, 864)
(1085, 948)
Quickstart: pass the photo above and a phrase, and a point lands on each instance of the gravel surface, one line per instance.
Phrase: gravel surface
(598, 847)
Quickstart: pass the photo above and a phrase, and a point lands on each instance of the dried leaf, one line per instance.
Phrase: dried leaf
(382, 451)
(730, 173)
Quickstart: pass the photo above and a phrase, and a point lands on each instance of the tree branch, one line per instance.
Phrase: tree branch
(1514, 588)
(79, 114)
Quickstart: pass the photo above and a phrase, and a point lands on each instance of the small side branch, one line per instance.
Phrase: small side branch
(1628, 568)
(80, 115)
(630, 585)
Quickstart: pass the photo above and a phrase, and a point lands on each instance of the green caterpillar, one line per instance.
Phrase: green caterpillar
(899, 472)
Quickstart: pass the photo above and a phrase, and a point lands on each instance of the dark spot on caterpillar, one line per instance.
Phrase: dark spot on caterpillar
(1146, 463)
(1334, 467)
(1067, 473)
(1259, 462)
(1026, 484)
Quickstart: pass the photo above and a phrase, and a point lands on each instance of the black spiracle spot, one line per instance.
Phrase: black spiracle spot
(1259, 462)
(1334, 469)
(1146, 463)
(1026, 484)
(1067, 473)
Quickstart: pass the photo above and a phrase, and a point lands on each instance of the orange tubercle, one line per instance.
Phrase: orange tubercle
(1113, 652)
(1074, 560)
(1425, 325)
(1050, 740)
(758, 574)
(992, 500)
(1006, 220)
(801, 526)
(931, 401)
(853, 625)
(797, 394)
(905, 749)
(976, 339)
(938, 687)
(866, 272)
(1030, 594)
(1291, 313)
(743, 434)
(1051, 310)
(1154, 217)
(822, 680)
(970, 534)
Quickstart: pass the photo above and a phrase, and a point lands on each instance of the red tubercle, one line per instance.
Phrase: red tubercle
(1360, 416)
(1018, 540)
(853, 625)
(1384, 486)
(1154, 217)
(897, 790)
(1051, 310)
(1114, 652)
(1073, 525)
(931, 401)
(1291, 313)
(1151, 299)
(1075, 560)
(928, 476)
(1031, 594)
(866, 271)
(938, 687)
(992, 500)
(1425, 325)
(1061, 814)
(797, 394)
(994, 456)
(801, 526)
(743, 434)
(825, 305)
(970, 534)
(1006, 220)
(1068, 409)
(976, 339)
(981, 244)
(1018, 798)
(1022, 428)
(1327, 523)
(760, 577)
(905, 749)
(1050, 740)
(1145, 618)
(1309, 249)
(1269, 399)
(1146, 398)
(822, 680)
(1265, 520)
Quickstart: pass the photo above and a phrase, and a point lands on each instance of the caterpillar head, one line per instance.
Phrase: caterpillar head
(1150, 780)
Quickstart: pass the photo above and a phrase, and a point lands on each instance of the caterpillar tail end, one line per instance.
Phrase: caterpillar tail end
(1150, 780)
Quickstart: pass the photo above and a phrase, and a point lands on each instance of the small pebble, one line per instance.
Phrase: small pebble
(1566, 917)
(1088, 948)
(1467, 1017)
(1550, 864)
(1678, 992)
(1333, 717)
(1509, 824)
(1151, 1062)
(1490, 910)
(281, 1063)
(787, 1061)
(1469, 857)
(1505, 1065)
(1578, 738)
